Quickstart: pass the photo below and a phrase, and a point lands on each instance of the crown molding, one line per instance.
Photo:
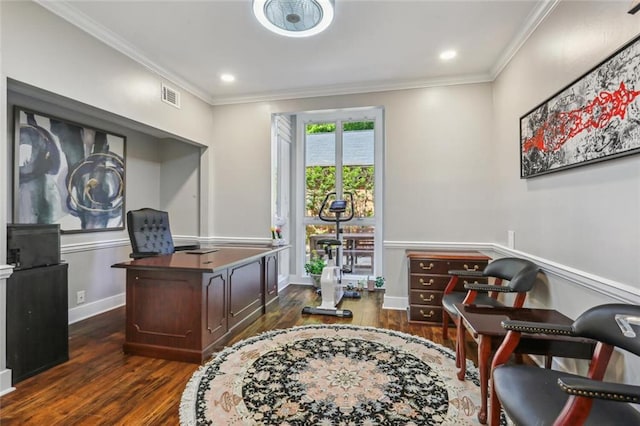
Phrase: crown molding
(534, 19)
(68, 12)
(352, 89)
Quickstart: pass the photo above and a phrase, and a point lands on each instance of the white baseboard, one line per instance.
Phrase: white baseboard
(395, 303)
(88, 310)
(5, 382)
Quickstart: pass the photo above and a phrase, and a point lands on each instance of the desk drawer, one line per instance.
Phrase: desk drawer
(436, 266)
(419, 297)
(431, 314)
(429, 282)
(435, 282)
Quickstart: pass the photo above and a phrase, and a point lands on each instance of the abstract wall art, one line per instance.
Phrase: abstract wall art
(595, 118)
(67, 173)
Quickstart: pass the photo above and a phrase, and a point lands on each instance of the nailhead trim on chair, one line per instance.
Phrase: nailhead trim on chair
(600, 395)
(543, 330)
(486, 287)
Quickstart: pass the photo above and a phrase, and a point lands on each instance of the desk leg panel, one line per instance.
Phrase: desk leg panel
(164, 309)
(214, 321)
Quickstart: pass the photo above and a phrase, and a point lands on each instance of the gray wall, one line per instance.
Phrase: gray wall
(438, 183)
(79, 77)
(587, 217)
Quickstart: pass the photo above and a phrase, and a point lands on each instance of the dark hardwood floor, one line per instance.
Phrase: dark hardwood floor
(100, 385)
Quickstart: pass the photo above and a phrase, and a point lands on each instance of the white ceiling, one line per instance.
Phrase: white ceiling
(370, 46)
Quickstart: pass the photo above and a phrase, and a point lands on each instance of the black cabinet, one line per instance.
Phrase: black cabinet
(37, 320)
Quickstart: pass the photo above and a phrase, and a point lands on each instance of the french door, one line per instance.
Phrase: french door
(341, 153)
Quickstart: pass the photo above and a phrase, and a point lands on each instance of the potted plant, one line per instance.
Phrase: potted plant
(379, 282)
(314, 268)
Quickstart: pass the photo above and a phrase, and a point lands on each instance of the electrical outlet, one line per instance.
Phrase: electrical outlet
(511, 239)
(80, 297)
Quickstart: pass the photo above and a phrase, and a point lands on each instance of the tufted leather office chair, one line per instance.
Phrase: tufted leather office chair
(150, 233)
(537, 396)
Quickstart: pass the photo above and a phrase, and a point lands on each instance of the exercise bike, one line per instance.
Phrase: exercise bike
(331, 288)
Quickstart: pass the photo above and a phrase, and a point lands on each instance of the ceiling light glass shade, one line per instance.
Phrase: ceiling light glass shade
(294, 18)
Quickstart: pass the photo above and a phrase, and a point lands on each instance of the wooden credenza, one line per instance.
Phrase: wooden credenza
(185, 306)
(428, 277)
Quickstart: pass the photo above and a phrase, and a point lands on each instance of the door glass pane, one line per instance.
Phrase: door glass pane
(358, 165)
(357, 246)
(352, 150)
(320, 165)
(358, 178)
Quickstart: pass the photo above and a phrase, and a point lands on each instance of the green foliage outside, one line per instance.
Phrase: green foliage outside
(320, 180)
(331, 127)
(356, 179)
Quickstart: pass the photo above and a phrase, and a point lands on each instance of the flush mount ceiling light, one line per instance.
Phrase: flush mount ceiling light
(294, 18)
(227, 78)
(448, 55)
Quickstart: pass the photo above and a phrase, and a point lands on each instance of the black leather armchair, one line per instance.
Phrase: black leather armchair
(150, 234)
(520, 273)
(537, 396)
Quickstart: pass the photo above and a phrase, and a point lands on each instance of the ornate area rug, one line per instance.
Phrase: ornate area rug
(332, 375)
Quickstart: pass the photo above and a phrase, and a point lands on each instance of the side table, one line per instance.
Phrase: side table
(483, 323)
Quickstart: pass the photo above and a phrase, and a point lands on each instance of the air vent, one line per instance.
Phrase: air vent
(170, 96)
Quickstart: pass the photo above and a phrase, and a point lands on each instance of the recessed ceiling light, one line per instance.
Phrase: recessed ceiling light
(301, 18)
(448, 54)
(227, 78)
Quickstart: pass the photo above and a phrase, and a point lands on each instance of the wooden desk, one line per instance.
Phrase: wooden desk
(484, 324)
(182, 306)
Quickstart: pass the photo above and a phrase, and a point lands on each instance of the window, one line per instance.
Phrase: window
(341, 152)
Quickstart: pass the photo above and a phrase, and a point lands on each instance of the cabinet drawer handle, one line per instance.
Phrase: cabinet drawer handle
(475, 267)
(427, 284)
(431, 313)
(426, 268)
(431, 297)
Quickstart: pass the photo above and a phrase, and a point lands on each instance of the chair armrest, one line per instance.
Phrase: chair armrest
(488, 287)
(600, 390)
(142, 255)
(186, 247)
(466, 273)
(537, 327)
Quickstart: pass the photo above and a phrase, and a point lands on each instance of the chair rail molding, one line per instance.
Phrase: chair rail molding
(620, 292)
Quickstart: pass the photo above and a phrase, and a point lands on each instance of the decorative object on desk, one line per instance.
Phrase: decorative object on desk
(379, 282)
(371, 284)
(67, 173)
(331, 374)
(594, 118)
(276, 236)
